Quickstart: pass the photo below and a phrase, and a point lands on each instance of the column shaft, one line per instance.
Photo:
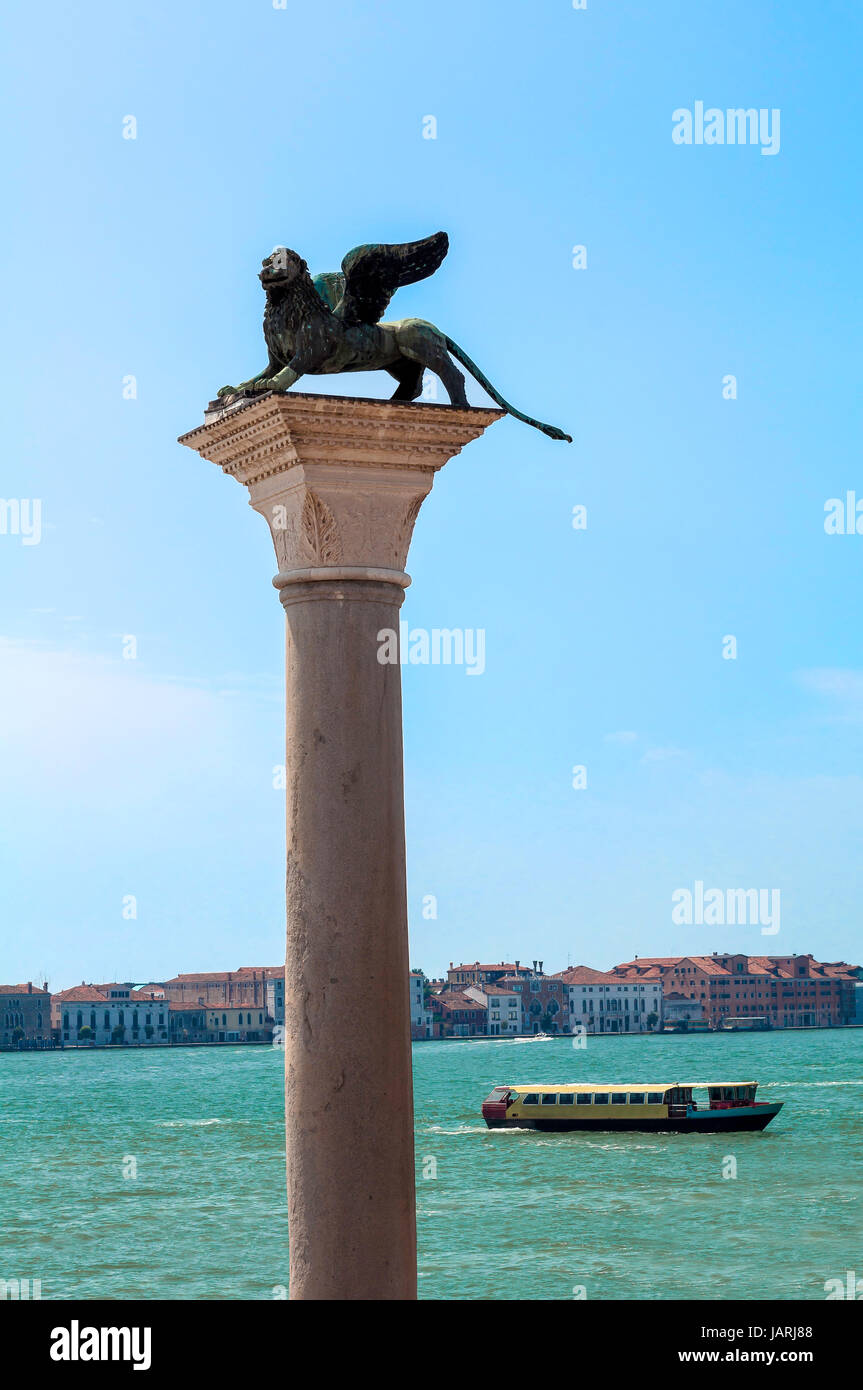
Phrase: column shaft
(348, 1093)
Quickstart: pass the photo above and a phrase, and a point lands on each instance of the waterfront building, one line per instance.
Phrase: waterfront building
(84, 1014)
(542, 1001)
(274, 995)
(459, 1015)
(25, 1015)
(794, 991)
(677, 1008)
(477, 974)
(603, 1002)
(188, 1022)
(422, 1018)
(502, 1004)
(246, 986)
(232, 1024)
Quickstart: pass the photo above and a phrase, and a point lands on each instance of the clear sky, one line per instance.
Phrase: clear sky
(151, 777)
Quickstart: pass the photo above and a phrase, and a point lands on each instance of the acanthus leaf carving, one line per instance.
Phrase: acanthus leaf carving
(320, 530)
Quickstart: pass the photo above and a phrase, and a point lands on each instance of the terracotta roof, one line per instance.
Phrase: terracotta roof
(245, 973)
(779, 967)
(501, 965)
(83, 994)
(24, 989)
(586, 975)
(214, 976)
(456, 1000)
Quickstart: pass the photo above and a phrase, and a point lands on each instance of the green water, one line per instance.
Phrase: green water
(509, 1214)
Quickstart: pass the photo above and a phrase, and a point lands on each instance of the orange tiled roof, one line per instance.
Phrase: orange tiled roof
(457, 1000)
(83, 994)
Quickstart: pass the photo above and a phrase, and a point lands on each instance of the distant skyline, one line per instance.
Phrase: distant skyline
(606, 278)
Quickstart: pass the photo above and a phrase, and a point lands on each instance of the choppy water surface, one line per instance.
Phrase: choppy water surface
(507, 1214)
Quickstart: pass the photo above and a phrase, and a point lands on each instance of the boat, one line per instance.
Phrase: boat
(671, 1107)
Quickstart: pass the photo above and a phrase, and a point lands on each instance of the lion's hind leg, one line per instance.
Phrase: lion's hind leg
(422, 343)
(409, 376)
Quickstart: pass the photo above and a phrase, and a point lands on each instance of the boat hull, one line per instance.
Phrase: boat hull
(751, 1117)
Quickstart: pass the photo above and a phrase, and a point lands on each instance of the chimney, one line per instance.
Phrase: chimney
(45, 986)
(540, 967)
(517, 964)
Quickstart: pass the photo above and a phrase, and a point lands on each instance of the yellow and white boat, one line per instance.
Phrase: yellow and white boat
(672, 1106)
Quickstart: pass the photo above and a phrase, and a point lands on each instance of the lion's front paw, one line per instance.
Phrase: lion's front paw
(226, 391)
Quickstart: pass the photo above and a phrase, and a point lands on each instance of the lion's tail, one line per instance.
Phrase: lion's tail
(551, 430)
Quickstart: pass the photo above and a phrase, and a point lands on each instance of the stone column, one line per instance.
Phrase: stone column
(340, 483)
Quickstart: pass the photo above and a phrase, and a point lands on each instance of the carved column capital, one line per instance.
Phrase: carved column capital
(339, 481)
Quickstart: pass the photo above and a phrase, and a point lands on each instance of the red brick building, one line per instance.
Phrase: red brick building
(224, 988)
(789, 991)
(459, 1015)
(544, 1002)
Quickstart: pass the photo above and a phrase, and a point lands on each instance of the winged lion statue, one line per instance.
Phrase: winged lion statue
(332, 323)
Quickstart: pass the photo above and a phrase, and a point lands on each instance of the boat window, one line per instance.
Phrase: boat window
(636, 1097)
(583, 1098)
(618, 1097)
(566, 1098)
(549, 1098)
(601, 1099)
(531, 1099)
(654, 1098)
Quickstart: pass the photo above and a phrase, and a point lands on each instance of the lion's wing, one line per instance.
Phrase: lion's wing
(330, 286)
(373, 273)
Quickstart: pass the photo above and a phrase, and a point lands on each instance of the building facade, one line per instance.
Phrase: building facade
(458, 976)
(542, 1002)
(459, 1015)
(789, 991)
(275, 997)
(25, 1015)
(230, 1024)
(422, 1018)
(85, 1015)
(188, 1023)
(228, 988)
(502, 1007)
(601, 1002)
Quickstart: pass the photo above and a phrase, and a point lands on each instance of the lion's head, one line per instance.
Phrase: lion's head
(281, 267)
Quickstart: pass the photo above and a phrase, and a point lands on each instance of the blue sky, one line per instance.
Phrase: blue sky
(303, 126)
